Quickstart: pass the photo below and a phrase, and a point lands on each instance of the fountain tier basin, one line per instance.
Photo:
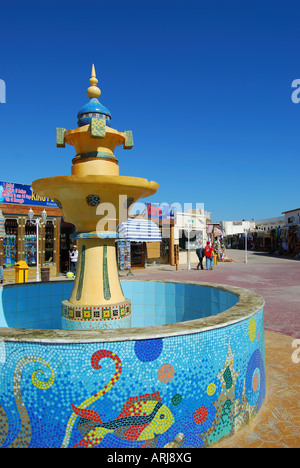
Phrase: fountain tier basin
(190, 371)
(72, 192)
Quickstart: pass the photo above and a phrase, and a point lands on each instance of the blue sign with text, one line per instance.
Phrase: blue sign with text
(19, 194)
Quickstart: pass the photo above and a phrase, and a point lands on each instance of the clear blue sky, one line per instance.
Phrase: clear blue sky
(205, 86)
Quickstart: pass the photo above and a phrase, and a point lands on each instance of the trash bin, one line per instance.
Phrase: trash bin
(21, 272)
(45, 274)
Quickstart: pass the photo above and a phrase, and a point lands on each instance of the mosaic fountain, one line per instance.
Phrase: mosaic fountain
(185, 367)
(97, 300)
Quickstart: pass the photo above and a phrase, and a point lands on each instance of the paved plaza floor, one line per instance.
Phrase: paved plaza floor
(277, 280)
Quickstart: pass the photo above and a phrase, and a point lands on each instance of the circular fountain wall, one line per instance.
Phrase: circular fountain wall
(188, 373)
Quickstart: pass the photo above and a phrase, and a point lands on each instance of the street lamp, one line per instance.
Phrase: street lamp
(246, 253)
(38, 222)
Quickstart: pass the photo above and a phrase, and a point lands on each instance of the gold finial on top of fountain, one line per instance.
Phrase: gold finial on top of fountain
(93, 91)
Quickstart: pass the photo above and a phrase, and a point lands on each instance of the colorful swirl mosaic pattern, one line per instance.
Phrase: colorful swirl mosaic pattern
(193, 390)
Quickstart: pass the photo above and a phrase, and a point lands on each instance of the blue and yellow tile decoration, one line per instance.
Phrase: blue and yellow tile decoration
(98, 127)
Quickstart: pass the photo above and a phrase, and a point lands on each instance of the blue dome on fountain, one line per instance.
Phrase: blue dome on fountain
(93, 109)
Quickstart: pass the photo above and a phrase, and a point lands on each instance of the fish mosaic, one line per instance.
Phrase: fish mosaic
(142, 418)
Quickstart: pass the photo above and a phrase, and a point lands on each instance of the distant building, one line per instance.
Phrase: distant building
(291, 242)
(234, 232)
(190, 233)
(270, 223)
(193, 223)
(231, 228)
(292, 217)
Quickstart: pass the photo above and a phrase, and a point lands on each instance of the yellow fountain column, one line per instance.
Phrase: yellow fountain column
(93, 198)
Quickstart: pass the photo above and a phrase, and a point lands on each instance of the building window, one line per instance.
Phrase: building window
(10, 243)
(49, 242)
(30, 244)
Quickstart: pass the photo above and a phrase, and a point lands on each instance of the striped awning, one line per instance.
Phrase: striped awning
(139, 230)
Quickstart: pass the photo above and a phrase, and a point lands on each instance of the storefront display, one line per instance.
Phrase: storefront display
(124, 255)
(30, 249)
(10, 240)
(134, 237)
(18, 239)
(10, 250)
(286, 240)
(49, 242)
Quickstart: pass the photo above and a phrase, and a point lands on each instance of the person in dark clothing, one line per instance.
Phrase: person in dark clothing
(200, 255)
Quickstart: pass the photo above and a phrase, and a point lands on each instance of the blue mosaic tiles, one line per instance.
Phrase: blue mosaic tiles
(202, 386)
(38, 306)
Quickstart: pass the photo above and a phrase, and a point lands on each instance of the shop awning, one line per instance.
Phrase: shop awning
(218, 232)
(139, 230)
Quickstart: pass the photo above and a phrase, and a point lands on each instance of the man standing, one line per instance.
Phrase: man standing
(209, 250)
(73, 258)
(200, 255)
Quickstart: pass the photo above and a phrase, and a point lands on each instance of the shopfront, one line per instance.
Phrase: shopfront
(66, 245)
(20, 236)
(138, 244)
(190, 233)
(164, 216)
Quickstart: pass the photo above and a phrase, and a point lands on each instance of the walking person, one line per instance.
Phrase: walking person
(209, 251)
(74, 257)
(200, 255)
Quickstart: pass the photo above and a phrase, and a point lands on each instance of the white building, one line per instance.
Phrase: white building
(292, 217)
(232, 228)
(270, 223)
(190, 233)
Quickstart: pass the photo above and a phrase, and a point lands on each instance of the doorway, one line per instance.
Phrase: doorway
(137, 255)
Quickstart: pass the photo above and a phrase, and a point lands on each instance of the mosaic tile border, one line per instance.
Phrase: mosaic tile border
(96, 313)
(95, 155)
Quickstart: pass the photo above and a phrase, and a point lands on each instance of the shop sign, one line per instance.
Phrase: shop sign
(156, 211)
(18, 194)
